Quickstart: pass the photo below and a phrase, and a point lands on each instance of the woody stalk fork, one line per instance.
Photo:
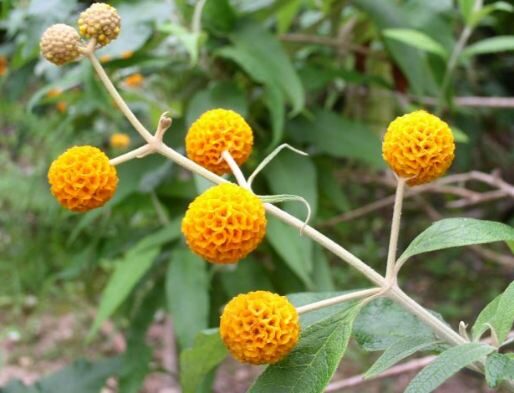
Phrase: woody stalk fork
(385, 285)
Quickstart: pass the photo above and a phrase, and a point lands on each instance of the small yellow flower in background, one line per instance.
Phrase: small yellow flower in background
(119, 140)
(418, 147)
(60, 44)
(4, 65)
(224, 224)
(215, 131)
(82, 178)
(259, 327)
(105, 59)
(127, 54)
(100, 21)
(134, 80)
(62, 106)
(55, 92)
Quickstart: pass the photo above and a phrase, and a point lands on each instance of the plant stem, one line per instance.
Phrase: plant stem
(395, 230)
(136, 153)
(338, 299)
(392, 291)
(118, 99)
(452, 63)
(236, 171)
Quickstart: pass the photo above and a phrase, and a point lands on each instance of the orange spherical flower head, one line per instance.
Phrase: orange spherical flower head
(82, 178)
(100, 21)
(215, 131)
(259, 327)
(224, 224)
(418, 147)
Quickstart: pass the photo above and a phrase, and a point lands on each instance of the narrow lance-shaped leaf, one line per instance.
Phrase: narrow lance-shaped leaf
(446, 365)
(485, 318)
(490, 45)
(417, 39)
(400, 350)
(455, 232)
(196, 362)
(498, 367)
(129, 271)
(187, 291)
(311, 365)
(504, 317)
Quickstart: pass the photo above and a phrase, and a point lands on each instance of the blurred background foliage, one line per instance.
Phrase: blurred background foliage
(326, 76)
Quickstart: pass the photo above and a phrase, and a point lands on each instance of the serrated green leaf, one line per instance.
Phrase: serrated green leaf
(129, 271)
(490, 45)
(498, 368)
(445, 365)
(311, 365)
(187, 292)
(417, 39)
(382, 322)
(502, 321)
(196, 362)
(295, 250)
(401, 349)
(485, 318)
(456, 232)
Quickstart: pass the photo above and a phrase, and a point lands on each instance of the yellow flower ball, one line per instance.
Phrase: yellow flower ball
(82, 178)
(215, 131)
(259, 327)
(418, 147)
(119, 140)
(224, 224)
(100, 21)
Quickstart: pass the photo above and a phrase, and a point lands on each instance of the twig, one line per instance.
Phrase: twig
(338, 299)
(356, 380)
(395, 228)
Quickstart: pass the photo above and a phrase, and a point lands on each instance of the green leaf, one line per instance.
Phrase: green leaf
(223, 94)
(338, 137)
(274, 100)
(504, 317)
(295, 250)
(382, 323)
(285, 16)
(292, 174)
(415, 66)
(129, 271)
(490, 45)
(196, 362)
(311, 365)
(456, 232)
(167, 234)
(322, 274)
(489, 9)
(466, 9)
(417, 39)
(248, 275)
(401, 349)
(498, 368)
(447, 364)
(187, 291)
(485, 319)
(459, 135)
(261, 55)
(218, 16)
(80, 377)
(190, 40)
